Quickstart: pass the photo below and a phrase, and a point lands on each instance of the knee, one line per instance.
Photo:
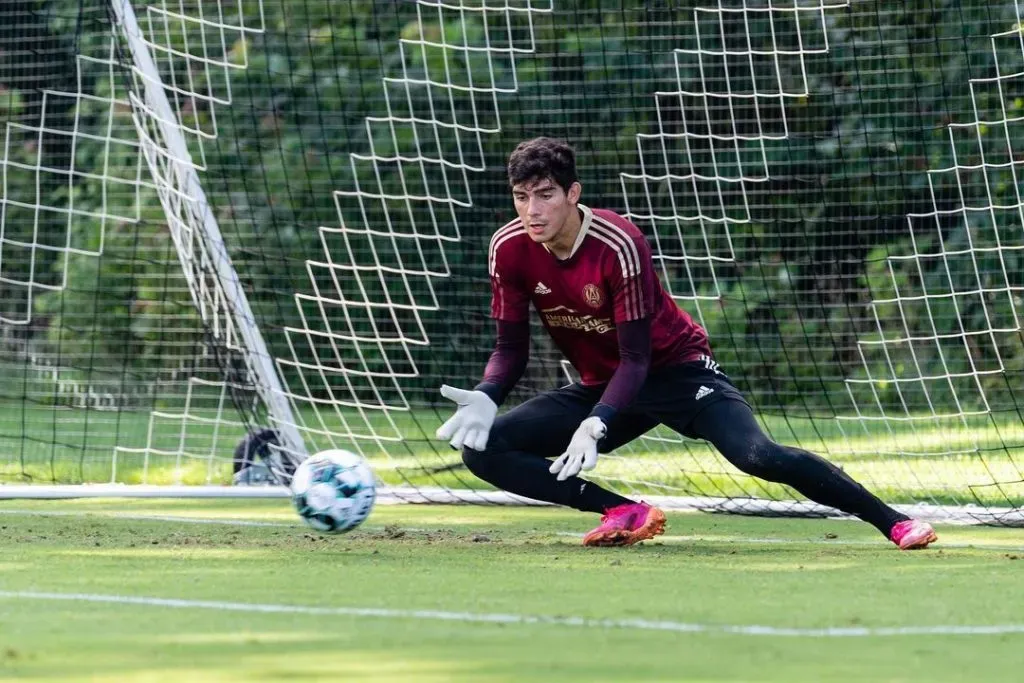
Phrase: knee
(481, 463)
(475, 461)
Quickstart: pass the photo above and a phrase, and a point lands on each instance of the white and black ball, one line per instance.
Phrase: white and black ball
(334, 491)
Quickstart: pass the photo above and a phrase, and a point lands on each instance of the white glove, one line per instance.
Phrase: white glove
(471, 423)
(582, 451)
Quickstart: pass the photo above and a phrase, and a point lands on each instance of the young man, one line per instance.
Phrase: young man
(642, 361)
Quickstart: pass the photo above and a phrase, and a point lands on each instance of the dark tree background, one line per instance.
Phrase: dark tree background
(785, 314)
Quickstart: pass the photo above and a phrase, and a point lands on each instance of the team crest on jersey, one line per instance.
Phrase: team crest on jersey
(592, 295)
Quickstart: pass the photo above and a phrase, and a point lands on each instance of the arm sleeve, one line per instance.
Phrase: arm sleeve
(634, 362)
(632, 281)
(508, 361)
(509, 300)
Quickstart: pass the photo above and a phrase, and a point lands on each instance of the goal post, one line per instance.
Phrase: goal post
(219, 217)
(215, 286)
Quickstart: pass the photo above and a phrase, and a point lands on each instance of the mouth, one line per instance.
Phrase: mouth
(537, 228)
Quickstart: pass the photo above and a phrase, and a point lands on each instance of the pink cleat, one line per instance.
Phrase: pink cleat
(627, 524)
(912, 534)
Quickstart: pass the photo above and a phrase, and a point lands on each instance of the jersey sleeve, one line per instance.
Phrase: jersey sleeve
(508, 360)
(509, 299)
(631, 279)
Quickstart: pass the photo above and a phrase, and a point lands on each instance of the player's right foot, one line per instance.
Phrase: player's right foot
(627, 524)
(912, 534)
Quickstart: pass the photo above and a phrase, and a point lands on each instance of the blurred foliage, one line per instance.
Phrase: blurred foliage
(782, 268)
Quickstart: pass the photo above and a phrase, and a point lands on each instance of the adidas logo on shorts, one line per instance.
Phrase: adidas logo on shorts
(541, 288)
(711, 364)
(703, 391)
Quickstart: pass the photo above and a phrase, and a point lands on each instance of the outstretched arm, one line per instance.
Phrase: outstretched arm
(508, 361)
(470, 426)
(634, 362)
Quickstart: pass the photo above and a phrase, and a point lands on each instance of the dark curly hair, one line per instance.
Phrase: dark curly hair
(541, 158)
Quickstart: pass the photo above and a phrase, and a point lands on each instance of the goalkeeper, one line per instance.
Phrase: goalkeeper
(642, 360)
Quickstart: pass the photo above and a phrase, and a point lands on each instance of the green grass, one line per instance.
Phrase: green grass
(69, 446)
(709, 570)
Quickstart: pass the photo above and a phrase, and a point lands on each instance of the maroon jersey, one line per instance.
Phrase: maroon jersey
(609, 278)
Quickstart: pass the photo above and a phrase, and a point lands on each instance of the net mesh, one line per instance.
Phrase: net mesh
(830, 188)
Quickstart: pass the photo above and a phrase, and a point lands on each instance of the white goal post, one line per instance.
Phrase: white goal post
(205, 261)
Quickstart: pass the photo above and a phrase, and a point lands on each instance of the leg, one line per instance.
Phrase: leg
(522, 439)
(731, 427)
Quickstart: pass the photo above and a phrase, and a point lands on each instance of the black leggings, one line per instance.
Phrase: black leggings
(523, 439)
(730, 426)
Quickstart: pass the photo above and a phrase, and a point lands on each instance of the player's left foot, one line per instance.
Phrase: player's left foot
(627, 524)
(912, 534)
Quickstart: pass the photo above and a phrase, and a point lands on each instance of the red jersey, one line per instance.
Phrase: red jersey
(609, 278)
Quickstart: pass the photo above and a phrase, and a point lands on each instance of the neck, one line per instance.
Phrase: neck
(562, 245)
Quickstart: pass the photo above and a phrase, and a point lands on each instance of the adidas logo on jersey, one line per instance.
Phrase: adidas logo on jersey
(541, 288)
(703, 391)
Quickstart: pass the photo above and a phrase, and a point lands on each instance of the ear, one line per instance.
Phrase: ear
(575, 190)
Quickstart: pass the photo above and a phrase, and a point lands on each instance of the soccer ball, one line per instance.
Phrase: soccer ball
(333, 491)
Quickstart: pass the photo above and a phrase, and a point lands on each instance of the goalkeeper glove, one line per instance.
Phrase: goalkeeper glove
(471, 424)
(582, 451)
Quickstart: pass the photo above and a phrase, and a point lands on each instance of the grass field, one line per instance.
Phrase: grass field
(982, 464)
(238, 591)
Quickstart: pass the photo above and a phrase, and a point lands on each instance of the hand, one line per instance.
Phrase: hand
(471, 424)
(582, 451)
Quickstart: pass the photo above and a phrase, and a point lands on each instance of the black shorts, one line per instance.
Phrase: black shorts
(675, 395)
(672, 396)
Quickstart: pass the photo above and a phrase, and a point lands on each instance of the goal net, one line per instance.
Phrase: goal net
(260, 227)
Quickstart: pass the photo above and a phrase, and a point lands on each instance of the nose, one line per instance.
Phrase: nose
(533, 208)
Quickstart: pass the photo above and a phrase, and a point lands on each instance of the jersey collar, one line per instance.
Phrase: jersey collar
(585, 220)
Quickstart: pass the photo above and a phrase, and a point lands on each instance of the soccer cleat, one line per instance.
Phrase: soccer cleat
(627, 524)
(912, 534)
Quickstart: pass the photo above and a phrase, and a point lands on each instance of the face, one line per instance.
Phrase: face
(544, 207)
